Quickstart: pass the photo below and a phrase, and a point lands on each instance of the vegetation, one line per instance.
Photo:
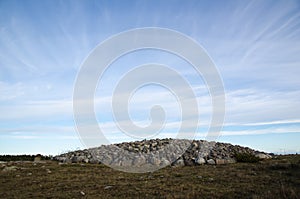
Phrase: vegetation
(246, 157)
(22, 157)
(275, 178)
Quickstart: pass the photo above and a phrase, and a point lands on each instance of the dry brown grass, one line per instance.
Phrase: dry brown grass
(277, 178)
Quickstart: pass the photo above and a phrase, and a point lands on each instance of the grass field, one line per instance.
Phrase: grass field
(276, 178)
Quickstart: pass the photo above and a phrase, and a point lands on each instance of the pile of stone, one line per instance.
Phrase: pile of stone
(160, 152)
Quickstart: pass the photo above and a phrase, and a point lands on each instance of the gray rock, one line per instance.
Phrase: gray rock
(77, 159)
(126, 162)
(94, 161)
(108, 187)
(164, 162)
(154, 160)
(139, 160)
(82, 193)
(263, 156)
(200, 160)
(211, 161)
(178, 163)
(116, 162)
(60, 159)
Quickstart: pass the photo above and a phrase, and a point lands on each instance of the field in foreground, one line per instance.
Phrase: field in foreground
(276, 178)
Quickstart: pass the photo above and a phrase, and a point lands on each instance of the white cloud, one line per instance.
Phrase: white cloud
(10, 91)
(36, 110)
(261, 106)
(293, 121)
(288, 129)
(35, 131)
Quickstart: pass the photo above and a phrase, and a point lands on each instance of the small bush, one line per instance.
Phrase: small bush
(47, 157)
(246, 157)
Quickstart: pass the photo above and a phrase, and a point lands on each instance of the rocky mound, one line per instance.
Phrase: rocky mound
(161, 152)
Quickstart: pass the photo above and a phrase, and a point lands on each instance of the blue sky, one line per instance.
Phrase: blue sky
(254, 44)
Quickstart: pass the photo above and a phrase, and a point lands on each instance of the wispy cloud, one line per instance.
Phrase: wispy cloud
(293, 121)
(285, 130)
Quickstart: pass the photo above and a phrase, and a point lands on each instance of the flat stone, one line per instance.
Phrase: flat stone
(220, 161)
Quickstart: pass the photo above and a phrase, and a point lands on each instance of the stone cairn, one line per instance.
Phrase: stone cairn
(160, 152)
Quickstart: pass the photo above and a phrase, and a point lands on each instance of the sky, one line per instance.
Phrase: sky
(255, 46)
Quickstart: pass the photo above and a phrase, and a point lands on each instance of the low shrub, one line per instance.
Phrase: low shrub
(246, 157)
